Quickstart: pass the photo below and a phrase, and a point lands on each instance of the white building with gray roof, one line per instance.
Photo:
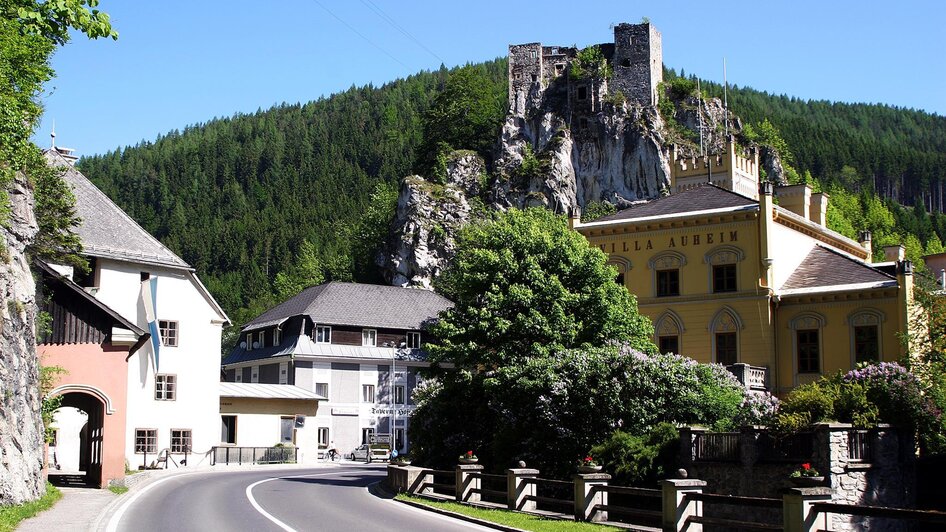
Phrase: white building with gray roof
(173, 396)
(339, 340)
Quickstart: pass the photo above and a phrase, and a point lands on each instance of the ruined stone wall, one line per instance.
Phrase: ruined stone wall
(21, 428)
(637, 62)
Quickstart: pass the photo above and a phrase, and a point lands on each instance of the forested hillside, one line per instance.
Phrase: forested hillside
(289, 190)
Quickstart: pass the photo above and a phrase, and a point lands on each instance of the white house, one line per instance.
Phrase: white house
(173, 395)
(339, 341)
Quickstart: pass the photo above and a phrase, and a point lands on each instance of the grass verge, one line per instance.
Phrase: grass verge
(513, 519)
(10, 516)
(117, 490)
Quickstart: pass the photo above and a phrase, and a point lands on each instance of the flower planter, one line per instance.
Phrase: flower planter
(469, 460)
(807, 482)
(589, 469)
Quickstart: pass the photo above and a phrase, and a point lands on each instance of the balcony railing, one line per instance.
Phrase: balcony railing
(754, 378)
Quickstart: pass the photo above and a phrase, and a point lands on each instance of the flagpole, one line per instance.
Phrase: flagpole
(725, 100)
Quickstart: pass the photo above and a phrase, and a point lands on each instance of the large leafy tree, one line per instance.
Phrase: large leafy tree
(525, 285)
(534, 304)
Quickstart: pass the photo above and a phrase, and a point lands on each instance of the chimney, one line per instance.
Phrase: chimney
(895, 253)
(819, 208)
(795, 198)
(865, 241)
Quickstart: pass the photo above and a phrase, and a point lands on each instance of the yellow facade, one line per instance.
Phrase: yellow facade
(737, 279)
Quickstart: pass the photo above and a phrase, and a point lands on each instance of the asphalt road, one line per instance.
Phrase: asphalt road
(329, 498)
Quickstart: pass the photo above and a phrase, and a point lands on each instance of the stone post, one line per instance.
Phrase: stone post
(408, 479)
(587, 496)
(467, 482)
(676, 510)
(797, 514)
(518, 488)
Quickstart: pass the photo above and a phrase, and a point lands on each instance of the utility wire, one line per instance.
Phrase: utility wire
(384, 16)
(358, 33)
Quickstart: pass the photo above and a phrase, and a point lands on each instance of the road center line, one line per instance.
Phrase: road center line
(264, 513)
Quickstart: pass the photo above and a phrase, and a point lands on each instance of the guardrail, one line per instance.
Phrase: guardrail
(253, 455)
(682, 503)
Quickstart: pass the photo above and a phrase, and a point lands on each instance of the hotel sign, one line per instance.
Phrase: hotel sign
(697, 239)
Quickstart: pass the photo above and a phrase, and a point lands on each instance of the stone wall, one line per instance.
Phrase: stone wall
(885, 477)
(21, 427)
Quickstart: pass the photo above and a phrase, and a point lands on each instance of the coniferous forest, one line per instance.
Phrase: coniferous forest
(299, 193)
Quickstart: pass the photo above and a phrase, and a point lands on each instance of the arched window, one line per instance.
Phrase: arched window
(724, 330)
(864, 325)
(666, 273)
(667, 332)
(807, 328)
(623, 266)
(722, 262)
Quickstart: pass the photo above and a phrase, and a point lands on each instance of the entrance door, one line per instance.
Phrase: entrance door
(78, 449)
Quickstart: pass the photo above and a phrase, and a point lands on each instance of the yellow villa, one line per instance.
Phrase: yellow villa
(750, 276)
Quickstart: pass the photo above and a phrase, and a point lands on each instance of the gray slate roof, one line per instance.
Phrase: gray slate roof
(825, 267)
(702, 198)
(106, 230)
(358, 305)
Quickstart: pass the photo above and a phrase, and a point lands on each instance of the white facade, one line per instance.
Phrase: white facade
(194, 362)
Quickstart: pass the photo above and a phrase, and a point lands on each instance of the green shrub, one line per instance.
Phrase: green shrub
(639, 460)
(597, 209)
(815, 399)
(681, 87)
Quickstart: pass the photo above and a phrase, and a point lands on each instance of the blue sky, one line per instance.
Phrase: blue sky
(179, 63)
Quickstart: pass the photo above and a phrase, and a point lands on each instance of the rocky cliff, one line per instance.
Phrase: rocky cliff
(21, 427)
(552, 156)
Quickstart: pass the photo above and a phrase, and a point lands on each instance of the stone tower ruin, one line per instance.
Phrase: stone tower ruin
(538, 72)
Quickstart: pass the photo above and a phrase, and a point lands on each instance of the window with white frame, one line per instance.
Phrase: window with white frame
(146, 441)
(180, 440)
(413, 340)
(399, 394)
(165, 387)
(321, 388)
(323, 334)
(367, 393)
(322, 434)
(277, 336)
(369, 337)
(169, 332)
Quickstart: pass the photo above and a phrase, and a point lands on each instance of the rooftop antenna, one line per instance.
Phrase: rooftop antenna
(725, 99)
(52, 144)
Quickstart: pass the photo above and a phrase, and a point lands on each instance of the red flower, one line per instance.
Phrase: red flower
(806, 466)
(589, 459)
(469, 453)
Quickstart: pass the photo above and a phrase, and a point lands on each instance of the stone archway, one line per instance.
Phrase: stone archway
(86, 441)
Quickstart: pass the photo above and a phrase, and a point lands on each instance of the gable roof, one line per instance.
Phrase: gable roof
(825, 269)
(54, 279)
(106, 230)
(358, 305)
(706, 197)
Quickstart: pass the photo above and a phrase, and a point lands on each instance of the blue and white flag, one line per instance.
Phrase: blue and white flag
(149, 297)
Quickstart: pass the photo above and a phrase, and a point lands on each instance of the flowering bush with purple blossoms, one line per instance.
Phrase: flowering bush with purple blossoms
(758, 409)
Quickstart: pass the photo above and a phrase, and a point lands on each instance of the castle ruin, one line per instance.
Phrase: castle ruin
(538, 73)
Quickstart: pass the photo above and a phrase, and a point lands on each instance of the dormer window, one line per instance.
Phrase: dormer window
(277, 336)
(413, 340)
(369, 337)
(323, 334)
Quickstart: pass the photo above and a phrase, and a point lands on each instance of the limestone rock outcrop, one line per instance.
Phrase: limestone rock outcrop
(21, 427)
(428, 216)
